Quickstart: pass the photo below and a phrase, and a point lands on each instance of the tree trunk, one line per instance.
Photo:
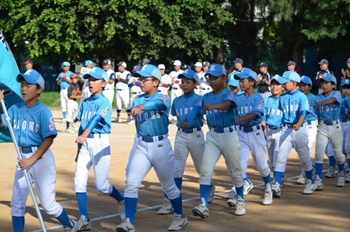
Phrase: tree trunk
(298, 56)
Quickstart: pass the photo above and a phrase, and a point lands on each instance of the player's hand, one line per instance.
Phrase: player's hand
(26, 162)
(184, 124)
(1, 94)
(177, 81)
(63, 75)
(296, 127)
(118, 77)
(259, 77)
(209, 107)
(137, 110)
(134, 80)
(80, 139)
(319, 104)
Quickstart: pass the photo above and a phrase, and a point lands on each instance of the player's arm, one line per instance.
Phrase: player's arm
(112, 79)
(220, 106)
(27, 162)
(246, 118)
(126, 80)
(326, 102)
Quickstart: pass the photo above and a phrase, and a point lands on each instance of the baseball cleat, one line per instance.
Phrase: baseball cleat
(231, 194)
(129, 119)
(247, 188)
(211, 193)
(330, 173)
(319, 185)
(232, 202)
(125, 226)
(166, 208)
(276, 190)
(74, 125)
(240, 206)
(201, 210)
(117, 119)
(301, 180)
(309, 188)
(121, 210)
(73, 229)
(267, 198)
(84, 223)
(178, 223)
(341, 179)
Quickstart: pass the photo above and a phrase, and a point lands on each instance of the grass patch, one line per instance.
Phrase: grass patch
(50, 99)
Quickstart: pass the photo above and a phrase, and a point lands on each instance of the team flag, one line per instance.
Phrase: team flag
(8, 73)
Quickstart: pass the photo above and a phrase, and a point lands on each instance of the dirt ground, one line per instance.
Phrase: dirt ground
(326, 210)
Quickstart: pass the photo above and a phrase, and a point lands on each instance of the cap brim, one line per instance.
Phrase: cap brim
(143, 74)
(240, 75)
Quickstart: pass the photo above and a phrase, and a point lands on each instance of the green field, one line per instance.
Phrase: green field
(50, 99)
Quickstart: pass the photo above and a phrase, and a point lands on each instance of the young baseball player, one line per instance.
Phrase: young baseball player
(74, 93)
(108, 91)
(63, 80)
(85, 92)
(329, 128)
(249, 112)
(34, 144)
(135, 90)
(272, 121)
(294, 105)
(153, 149)
(95, 117)
(175, 86)
(200, 74)
(220, 139)
(305, 86)
(166, 81)
(122, 91)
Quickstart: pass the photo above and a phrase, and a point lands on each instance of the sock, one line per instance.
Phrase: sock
(18, 224)
(331, 160)
(247, 180)
(178, 183)
(267, 181)
(308, 175)
(239, 191)
(64, 219)
(116, 194)
(177, 205)
(64, 113)
(130, 207)
(82, 204)
(318, 167)
(340, 168)
(278, 177)
(75, 120)
(204, 192)
(67, 125)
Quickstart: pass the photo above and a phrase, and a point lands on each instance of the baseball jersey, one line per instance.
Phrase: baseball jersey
(292, 104)
(64, 84)
(218, 118)
(73, 90)
(273, 115)
(203, 82)
(124, 79)
(166, 80)
(91, 106)
(311, 115)
(134, 87)
(343, 110)
(173, 76)
(153, 121)
(183, 105)
(111, 75)
(346, 104)
(330, 112)
(244, 105)
(31, 125)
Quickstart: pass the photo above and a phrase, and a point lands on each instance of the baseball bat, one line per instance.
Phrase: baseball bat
(24, 171)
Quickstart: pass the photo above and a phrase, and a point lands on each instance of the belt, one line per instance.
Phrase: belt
(222, 129)
(248, 128)
(92, 135)
(205, 88)
(190, 130)
(274, 127)
(176, 88)
(309, 122)
(159, 90)
(291, 125)
(134, 92)
(151, 139)
(63, 88)
(120, 89)
(344, 120)
(26, 150)
(330, 123)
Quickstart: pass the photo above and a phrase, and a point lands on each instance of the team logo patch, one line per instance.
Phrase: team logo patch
(160, 145)
(52, 127)
(260, 106)
(52, 120)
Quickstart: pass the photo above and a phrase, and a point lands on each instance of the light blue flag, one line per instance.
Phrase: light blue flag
(8, 74)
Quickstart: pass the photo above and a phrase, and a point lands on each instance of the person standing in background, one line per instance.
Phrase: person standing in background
(63, 80)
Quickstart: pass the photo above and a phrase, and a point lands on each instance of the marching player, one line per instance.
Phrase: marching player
(152, 149)
(122, 91)
(166, 81)
(93, 146)
(34, 146)
(220, 139)
(63, 80)
(108, 91)
(175, 86)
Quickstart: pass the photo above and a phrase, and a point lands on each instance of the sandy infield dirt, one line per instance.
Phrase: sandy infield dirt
(326, 210)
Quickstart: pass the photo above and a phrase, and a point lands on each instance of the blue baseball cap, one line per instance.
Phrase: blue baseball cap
(149, 70)
(306, 80)
(87, 62)
(233, 82)
(290, 76)
(189, 74)
(329, 78)
(66, 63)
(97, 73)
(216, 70)
(277, 78)
(246, 73)
(32, 77)
(345, 82)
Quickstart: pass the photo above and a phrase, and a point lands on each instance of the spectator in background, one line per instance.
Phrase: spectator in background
(323, 69)
(291, 65)
(64, 81)
(263, 83)
(205, 67)
(28, 64)
(238, 64)
(166, 81)
(108, 91)
(346, 71)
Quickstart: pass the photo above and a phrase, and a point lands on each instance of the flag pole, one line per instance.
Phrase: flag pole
(24, 171)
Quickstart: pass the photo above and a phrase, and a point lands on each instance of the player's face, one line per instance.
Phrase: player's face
(121, 68)
(177, 67)
(245, 84)
(205, 69)
(106, 67)
(30, 93)
(198, 69)
(235, 89)
(345, 90)
(290, 86)
(65, 68)
(291, 67)
(276, 88)
(187, 85)
(29, 66)
(148, 85)
(304, 88)
(74, 80)
(217, 83)
(96, 85)
(162, 71)
(263, 69)
(348, 64)
(238, 66)
(326, 86)
(324, 67)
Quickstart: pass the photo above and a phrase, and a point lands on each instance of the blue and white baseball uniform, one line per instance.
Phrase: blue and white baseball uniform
(122, 94)
(64, 85)
(109, 89)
